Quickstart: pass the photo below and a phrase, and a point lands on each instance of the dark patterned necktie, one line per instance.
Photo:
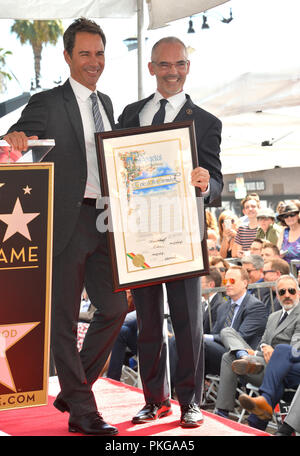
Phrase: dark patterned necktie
(229, 316)
(159, 117)
(283, 317)
(99, 126)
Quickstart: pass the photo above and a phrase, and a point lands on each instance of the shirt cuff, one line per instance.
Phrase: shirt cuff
(207, 191)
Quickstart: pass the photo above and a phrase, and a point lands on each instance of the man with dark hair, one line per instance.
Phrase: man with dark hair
(212, 299)
(81, 25)
(170, 66)
(256, 246)
(70, 114)
(270, 251)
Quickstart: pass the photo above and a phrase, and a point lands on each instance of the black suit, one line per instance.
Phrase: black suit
(208, 137)
(80, 251)
(184, 296)
(214, 304)
(249, 322)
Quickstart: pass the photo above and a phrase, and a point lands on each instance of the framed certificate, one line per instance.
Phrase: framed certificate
(154, 217)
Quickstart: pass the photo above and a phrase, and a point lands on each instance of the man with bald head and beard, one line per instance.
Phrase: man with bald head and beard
(283, 328)
(283, 362)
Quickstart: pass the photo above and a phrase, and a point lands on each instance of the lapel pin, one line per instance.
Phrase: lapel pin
(189, 112)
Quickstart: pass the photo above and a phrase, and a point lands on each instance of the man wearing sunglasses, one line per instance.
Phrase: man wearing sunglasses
(242, 312)
(283, 327)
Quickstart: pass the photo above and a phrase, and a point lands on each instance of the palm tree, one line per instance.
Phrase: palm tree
(3, 74)
(38, 33)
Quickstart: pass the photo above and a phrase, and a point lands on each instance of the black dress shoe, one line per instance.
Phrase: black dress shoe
(61, 405)
(191, 416)
(152, 411)
(92, 424)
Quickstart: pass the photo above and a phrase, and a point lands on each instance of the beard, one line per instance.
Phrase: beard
(288, 303)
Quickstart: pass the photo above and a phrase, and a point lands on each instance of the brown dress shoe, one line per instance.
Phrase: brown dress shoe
(257, 405)
(247, 365)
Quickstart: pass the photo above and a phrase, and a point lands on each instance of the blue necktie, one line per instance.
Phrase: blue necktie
(159, 117)
(99, 126)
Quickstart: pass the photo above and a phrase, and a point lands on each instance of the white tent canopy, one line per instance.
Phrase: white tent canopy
(261, 140)
(252, 92)
(160, 12)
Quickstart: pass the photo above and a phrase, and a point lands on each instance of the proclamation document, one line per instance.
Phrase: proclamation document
(155, 218)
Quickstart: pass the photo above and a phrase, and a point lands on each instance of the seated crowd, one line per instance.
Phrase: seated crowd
(250, 306)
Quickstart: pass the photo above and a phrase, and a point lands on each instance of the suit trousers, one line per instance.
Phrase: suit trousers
(281, 372)
(127, 338)
(229, 380)
(186, 314)
(84, 262)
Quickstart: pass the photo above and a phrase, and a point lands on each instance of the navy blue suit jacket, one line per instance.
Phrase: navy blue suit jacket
(250, 320)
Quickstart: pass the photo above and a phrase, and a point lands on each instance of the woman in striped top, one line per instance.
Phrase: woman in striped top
(246, 233)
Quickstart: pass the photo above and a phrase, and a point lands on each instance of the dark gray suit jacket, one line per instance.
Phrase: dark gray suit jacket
(216, 301)
(250, 320)
(208, 137)
(55, 114)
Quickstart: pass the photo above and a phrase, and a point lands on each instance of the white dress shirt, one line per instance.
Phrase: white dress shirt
(84, 101)
(173, 107)
(175, 103)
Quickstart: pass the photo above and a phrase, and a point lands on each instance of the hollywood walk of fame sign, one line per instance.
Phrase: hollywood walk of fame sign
(26, 205)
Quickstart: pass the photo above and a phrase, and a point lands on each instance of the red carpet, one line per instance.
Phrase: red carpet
(118, 403)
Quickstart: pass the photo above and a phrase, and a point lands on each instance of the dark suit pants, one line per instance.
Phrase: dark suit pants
(84, 262)
(127, 338)
(186, 315)
(213, 356)
(282, 372)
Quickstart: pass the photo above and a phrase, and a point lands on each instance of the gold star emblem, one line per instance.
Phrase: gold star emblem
(27, 190)
(9, 336)
(17, 221)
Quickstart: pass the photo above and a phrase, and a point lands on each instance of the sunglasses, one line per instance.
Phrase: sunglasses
(232, 221)
(270, 270)
(291, 214)
(283, 291)
(231, 281)
(222, 269)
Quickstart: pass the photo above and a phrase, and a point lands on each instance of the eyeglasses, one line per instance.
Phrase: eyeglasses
(262, 217)
(283, 291)
(231, 281)
(180, 65)
(291, 214)
(270, 270)
(232, 221)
